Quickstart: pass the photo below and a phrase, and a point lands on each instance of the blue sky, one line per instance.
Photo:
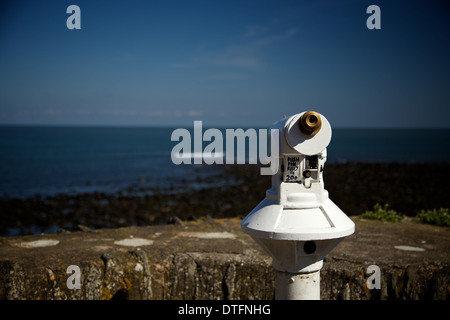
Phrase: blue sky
(228, 63)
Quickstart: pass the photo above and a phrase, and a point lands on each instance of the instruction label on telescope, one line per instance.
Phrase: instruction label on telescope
(292, 169)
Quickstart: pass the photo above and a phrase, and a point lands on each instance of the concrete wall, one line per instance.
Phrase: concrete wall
(213, 259)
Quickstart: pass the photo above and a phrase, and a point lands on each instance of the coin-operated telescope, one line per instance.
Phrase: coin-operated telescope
(297, 224)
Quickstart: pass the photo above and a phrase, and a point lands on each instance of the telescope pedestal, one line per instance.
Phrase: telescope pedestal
(297, 286)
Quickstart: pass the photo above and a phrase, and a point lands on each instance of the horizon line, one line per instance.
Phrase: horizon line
(80, 125)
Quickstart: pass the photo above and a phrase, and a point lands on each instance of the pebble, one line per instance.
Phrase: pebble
(138, 267)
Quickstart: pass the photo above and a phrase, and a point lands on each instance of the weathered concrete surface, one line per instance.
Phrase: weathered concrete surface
(213, 259)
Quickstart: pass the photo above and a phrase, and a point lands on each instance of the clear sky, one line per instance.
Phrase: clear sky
(228, 63)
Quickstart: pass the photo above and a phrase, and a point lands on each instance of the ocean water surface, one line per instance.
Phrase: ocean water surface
(47, 160)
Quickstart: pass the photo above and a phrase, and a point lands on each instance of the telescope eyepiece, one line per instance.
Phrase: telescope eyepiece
(310, 123)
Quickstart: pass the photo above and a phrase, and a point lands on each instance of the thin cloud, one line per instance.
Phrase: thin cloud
(237, 61)
(253, 31)
(189, 113)
(245, 55)
(271, 40)
(194, 113)
(224, 76)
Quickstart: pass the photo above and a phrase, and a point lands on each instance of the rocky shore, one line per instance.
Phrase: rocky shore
(234, 191)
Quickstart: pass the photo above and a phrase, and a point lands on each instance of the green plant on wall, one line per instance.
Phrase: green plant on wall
(438, 217)
(382, 213)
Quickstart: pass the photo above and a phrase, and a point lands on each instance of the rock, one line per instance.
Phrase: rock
(175, 220)
(83, 228)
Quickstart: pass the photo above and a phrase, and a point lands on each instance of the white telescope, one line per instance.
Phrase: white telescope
(297, 224)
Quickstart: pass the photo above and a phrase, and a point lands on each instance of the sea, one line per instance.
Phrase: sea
(47, 160)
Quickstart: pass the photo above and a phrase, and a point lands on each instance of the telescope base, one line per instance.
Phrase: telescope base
(297, 286)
